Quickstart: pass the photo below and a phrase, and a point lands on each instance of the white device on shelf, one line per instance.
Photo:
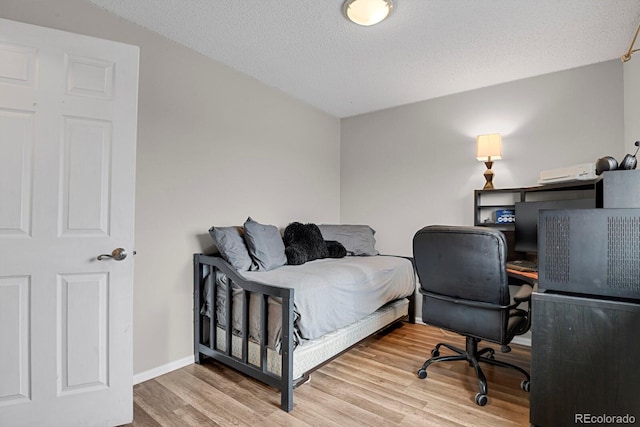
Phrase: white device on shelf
(582, 172)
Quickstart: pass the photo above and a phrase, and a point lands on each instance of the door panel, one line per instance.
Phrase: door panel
(18, 65)
(68, 111)
(14, 336)
(83, 335)
(87, 177)
(16, 170)
(89, 77)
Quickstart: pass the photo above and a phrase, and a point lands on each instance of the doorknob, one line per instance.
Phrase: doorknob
(118, 254)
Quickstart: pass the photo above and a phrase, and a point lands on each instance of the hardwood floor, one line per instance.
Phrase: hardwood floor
(373, 384)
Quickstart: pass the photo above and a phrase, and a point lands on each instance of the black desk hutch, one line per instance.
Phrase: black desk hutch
(585, 348)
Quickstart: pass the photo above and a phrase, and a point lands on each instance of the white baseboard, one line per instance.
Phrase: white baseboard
(161, 370)
(522, 340)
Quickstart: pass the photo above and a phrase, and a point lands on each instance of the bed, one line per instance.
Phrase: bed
(288, 321)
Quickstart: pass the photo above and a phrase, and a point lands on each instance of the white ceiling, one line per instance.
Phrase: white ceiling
(426, 49)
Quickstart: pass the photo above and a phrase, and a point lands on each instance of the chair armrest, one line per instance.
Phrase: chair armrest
(524, 294)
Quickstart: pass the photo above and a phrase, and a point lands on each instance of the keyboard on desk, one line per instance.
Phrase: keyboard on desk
(523, 265)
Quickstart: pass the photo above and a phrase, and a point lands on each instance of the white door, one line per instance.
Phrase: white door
(68, 114)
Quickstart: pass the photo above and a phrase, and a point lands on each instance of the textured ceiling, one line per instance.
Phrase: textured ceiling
(426, 49)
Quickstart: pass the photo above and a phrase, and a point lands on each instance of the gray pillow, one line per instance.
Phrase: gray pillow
(265, 245)
(357, 239)
(231, 245)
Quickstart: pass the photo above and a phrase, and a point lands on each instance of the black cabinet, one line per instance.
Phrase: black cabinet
(585, 360)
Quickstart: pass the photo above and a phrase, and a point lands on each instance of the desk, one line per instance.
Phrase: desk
(584, 356)
(584, 359)
(529, 277)
(518, 278)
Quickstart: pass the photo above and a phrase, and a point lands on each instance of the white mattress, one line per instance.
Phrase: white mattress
(310, 354)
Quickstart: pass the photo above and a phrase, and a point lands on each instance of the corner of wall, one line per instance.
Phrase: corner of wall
(631, 77)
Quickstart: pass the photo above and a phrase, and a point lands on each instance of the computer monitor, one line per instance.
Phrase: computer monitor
(526, 227)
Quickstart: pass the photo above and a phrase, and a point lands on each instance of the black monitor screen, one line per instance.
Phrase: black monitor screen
(526, 235)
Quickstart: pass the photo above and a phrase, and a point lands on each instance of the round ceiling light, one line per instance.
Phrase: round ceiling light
(367, 12)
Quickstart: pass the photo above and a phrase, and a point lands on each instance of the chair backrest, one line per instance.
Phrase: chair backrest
(465, 264)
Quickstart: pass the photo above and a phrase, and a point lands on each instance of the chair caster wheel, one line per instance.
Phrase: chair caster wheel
(481, 399)
(491, 356)
(435, 353)
(422, 373)
(526, 385)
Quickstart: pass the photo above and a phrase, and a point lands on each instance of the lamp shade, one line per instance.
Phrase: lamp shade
(489, 147)
(367, 12)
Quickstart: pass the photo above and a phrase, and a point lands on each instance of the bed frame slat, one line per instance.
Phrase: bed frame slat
(245, 326)
(263, 331)
(286, 391)
(228, 302)
(213, 332)
(197, 303)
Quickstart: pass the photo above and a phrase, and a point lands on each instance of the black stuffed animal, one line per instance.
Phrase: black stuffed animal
(304, 242)
(336, 249)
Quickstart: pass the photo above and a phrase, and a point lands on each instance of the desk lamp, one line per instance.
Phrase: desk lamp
(488, 149)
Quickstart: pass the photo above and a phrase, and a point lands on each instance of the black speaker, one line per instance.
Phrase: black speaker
(590, 251)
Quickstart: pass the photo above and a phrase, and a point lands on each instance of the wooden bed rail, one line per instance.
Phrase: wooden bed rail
(204, 265)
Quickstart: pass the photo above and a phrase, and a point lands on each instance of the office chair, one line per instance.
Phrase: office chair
(464, 287)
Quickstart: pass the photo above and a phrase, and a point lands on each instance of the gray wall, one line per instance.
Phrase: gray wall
(214, 146)
(414, 165)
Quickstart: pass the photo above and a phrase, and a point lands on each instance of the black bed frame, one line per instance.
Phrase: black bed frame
(205, 264)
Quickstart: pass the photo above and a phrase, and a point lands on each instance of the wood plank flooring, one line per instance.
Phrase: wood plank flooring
(373, 384)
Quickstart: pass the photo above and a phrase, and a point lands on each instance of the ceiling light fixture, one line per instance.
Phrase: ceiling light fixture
(627, 56)
(367, 12)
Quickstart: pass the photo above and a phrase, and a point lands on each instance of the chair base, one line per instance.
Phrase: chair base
(474, 356)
